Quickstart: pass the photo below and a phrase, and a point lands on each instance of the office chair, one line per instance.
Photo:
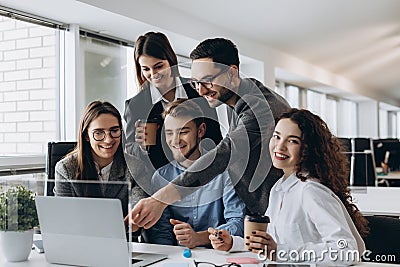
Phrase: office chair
(383, 240)
(55, 152)
(363, 162)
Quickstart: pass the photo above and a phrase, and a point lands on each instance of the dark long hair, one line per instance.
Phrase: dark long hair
(86, 169)
(157, 45)
(321, 157)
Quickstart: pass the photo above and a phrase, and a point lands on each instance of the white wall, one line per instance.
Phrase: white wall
(27, 87)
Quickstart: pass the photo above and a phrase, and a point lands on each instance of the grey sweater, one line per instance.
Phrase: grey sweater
(244, 151)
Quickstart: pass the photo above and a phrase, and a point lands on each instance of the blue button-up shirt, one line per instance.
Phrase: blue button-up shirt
(213, 205)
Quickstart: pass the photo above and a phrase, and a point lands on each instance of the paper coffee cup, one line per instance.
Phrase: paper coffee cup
(150, 132)
(254, 223)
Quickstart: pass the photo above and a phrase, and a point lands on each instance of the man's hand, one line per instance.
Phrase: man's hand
(186, 236)
(147, 212)
(134, 226)
(220, 239)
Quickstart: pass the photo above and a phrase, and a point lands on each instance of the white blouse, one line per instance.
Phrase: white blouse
(310, 223)
(156, 96)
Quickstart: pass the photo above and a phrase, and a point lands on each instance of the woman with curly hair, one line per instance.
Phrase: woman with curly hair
(312, 215)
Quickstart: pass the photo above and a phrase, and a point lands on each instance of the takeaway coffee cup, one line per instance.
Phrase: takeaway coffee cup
(150, 131)
(254, 223)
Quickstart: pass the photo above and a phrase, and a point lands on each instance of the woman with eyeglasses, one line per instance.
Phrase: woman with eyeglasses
(312, 215)
(158, 76)
(96, 167)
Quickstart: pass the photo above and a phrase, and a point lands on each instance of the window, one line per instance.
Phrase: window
(28, 86)
(184, 65)
(105, 67)
(392, 124)
(316, 103)
(383, 123)
(331, 114)
(292, 96)
(339, 114)
(347, 119)
(280, 88)
(398, 125)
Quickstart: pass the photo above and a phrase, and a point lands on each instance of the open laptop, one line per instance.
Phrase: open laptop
(87, 232)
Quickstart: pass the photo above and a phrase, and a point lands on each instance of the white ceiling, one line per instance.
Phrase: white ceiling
(356, 39)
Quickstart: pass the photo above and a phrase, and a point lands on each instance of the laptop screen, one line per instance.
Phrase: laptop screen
(96, 189)
(83, 231)
(86, 232)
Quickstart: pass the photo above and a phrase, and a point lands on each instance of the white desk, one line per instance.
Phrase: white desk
(390, 176)
(377, 200)
(174, 256)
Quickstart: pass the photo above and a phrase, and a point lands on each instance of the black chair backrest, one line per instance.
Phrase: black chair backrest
(364, 164)
(383, 240)
(55, 152)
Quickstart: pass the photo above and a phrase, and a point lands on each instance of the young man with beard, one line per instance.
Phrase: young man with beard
(213, 205)
(244, 151)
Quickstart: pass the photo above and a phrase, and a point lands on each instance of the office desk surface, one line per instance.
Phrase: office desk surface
(377, 200)
(390, 176)
(174, 256)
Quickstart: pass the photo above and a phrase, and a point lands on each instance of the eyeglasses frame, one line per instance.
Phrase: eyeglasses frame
(209, 84)
(105, 133)
(215, 265)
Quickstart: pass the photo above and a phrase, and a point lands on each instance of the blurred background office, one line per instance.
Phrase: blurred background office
(57, 56)
(339, 58)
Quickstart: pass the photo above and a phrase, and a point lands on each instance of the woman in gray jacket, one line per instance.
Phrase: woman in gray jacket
(96, 167)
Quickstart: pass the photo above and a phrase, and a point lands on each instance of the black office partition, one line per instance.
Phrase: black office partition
(361, 158)
(364, 164)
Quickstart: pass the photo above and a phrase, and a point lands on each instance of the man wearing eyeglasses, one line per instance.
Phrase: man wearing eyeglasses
(244, 151)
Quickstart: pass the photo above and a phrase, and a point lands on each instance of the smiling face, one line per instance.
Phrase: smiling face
(183, 138)
(103, 151)
(285, 146)
(156, 71)
(204, 69)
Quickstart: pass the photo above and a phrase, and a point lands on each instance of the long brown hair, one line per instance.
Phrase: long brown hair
(321, 157)
(86, 169)
(157, 45)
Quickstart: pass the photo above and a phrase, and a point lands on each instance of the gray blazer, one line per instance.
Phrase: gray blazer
(65, 185)
(244, 151)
